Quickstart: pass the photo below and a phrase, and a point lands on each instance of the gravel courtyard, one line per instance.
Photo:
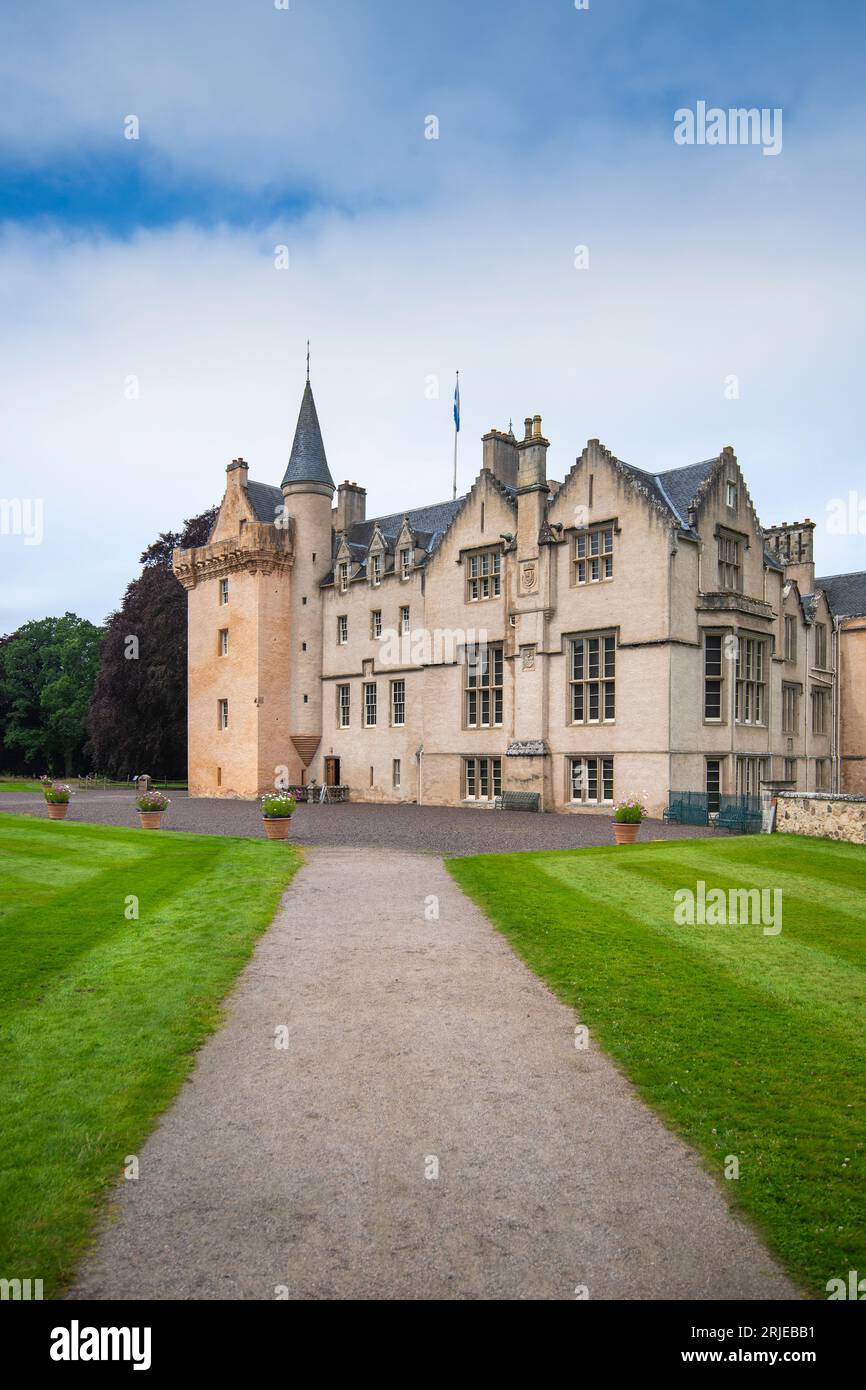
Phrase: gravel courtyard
(430, 829)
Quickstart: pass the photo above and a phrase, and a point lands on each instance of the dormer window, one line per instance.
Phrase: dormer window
(731, 494)
(376, 570)
(344, 577)
(405, 563)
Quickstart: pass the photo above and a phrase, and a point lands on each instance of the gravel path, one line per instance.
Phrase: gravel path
(434, 829)
(310, 1169)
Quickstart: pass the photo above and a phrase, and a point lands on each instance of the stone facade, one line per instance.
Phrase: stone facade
(617, 634)
(852, 706)
(829, 817)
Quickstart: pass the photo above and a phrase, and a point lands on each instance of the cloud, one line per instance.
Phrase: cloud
(330, 96)
(410, 258)
(680, 294)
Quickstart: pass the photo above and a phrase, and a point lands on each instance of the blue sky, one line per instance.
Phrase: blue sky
(152, 260)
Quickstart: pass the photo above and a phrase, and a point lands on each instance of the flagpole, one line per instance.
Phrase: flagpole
(456, 432)
(454, 488)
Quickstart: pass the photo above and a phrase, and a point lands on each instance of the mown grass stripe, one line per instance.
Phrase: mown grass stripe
(92, 1050)
(735, 1063)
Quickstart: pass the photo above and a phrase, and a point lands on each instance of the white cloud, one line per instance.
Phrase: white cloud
(703, 263)
(681, 292)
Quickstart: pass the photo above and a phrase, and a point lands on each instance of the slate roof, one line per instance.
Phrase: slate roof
(675, 489)
(681, 485)
(307, 462)
(265, 500)
(846, 593)
(432, 521)
(428, 524)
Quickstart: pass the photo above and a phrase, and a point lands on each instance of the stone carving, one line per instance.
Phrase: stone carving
(527, 748)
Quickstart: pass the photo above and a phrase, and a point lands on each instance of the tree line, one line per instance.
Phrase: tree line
(77, 697)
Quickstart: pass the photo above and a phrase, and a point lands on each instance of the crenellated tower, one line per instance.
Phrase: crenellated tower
(255, 624)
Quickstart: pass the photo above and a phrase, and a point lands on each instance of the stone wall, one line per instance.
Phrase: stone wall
(832, 816)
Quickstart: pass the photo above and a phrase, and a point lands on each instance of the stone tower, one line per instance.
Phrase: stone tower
(255, 624)
(793, 546)
(238, 587)
(308, 490)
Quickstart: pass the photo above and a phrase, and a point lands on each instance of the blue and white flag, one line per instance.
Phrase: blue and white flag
(457, 403)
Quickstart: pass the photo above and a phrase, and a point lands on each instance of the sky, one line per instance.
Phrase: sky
(150, 330)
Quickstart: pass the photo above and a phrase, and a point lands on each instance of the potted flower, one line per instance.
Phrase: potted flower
(150, 808)
(626, 820)
(57, 796)
(277, 810)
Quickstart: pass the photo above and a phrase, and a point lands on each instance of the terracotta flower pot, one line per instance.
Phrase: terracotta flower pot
(625, 831)
(57, 809)
(277, 827)
(150, 820)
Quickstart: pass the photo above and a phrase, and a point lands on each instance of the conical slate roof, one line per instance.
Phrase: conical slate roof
(307, 461)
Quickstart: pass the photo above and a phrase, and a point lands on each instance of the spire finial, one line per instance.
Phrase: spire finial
(308, 359)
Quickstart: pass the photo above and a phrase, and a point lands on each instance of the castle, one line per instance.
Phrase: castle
(619, 633)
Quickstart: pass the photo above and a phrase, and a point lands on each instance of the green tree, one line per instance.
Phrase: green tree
(137, 718)
(47, 674)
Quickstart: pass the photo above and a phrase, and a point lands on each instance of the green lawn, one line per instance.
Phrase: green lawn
(12, 786)
(100, 1016)
(748, 1044)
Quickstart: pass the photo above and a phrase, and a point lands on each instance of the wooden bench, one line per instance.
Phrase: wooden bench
(517, 801)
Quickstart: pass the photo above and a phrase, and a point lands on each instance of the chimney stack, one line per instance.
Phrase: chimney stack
(500, 456)
(238, 471)
(532, 489)
(532, 451)
(351, 505)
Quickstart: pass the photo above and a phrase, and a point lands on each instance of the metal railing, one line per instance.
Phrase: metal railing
(723, 810)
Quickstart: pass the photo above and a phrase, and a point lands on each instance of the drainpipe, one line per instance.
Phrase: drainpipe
(837, 703)
(807, 687)
(671, 559)
(419, 754)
